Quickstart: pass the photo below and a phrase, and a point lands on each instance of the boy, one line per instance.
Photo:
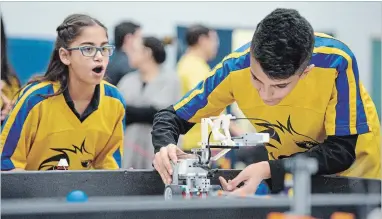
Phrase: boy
(302, 87)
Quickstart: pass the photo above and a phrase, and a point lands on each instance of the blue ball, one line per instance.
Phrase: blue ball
(77, 196)
(262, 189)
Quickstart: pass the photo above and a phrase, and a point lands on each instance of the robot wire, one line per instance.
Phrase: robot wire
(257, 119)
(209, 135)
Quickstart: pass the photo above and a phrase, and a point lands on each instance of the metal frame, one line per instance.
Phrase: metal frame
(155, 203)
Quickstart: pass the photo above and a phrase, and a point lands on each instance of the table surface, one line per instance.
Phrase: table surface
(155, 203)
(139, 194)
(138, 182)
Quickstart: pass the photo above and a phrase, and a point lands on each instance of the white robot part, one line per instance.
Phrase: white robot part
(218, 123)
(251, 139)
(63, 163)
(222, 122)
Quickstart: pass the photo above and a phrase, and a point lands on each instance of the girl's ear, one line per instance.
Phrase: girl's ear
(64, 56)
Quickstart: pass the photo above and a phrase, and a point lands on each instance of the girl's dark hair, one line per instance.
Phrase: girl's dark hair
(67, 32)
(157, 47)
(6, 69)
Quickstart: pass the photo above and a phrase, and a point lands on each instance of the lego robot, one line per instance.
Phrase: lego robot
(191, 176)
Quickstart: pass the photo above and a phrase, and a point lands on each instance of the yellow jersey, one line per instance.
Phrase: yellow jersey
(40, 131)
(330, 100)
(191, 70)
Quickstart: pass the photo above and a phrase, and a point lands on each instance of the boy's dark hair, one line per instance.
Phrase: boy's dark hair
(283, 43)
(121, 30)
(194, 32)
(67, 32)
(157, 48)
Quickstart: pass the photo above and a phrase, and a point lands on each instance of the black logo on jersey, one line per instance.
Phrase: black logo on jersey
(63, 153)
(275, 130)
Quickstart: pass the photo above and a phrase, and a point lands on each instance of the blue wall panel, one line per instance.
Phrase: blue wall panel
(29, 56)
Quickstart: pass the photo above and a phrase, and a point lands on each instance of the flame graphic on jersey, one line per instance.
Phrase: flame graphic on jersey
(63, 153)
(273, 129)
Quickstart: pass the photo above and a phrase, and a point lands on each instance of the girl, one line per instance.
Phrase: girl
(146, 91)
(70, 112)
(10, 83)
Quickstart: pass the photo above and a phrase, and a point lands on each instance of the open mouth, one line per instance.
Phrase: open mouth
(98, 69)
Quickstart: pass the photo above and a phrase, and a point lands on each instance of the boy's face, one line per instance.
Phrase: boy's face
(272, 91)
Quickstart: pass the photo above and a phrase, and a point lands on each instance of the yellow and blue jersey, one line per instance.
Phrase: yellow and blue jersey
(329, 101)
(191, 69)
(40, 131)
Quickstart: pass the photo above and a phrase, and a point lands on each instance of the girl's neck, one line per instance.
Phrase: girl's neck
(198, 52)
(80, 91)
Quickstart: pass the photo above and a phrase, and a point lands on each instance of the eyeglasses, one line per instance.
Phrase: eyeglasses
(91, 51)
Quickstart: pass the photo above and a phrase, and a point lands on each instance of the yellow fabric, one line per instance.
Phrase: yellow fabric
(192, 70)
(40, 131)
(330, 100)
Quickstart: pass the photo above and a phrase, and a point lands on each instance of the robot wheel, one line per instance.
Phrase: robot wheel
(172, 191)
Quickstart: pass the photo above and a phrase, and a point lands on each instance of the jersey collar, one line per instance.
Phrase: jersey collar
(93, 106)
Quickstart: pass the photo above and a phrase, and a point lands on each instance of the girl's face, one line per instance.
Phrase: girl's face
(88, 55)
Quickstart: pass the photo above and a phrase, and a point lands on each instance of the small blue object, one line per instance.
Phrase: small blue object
(262, 189)
(77, 196)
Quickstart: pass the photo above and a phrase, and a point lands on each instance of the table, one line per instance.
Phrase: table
(138, 194)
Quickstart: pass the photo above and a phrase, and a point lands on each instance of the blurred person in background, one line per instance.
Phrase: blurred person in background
(146, 91)
(126, 35)
(203, 45)
(10, 83)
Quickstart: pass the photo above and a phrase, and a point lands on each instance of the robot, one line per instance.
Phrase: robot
(191, 176)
